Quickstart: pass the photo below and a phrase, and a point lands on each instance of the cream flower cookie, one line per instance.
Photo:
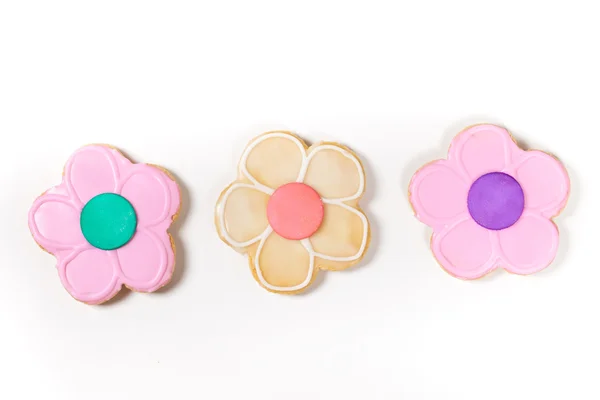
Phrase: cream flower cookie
(294, 210)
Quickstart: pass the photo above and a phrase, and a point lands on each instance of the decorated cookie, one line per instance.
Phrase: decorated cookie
(294, 210)
(106, 224)
(491, 204)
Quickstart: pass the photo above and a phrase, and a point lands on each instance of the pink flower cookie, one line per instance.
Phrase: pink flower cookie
(294, 210)
(106, 224)
(491, 204)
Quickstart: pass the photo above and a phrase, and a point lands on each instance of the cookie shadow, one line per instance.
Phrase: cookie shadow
(180, 250)
(561, 223)
(117, 298)
(372, 186)
(315, 285)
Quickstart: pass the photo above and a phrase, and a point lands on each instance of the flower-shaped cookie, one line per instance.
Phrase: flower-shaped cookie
(491, 204)
(106, 224)
(294, 210)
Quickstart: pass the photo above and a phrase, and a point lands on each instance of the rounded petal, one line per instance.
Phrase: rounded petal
(89, 276)
(154, 196)
(530, 245)
(92, 170)
(545, 183)
(438, 194)
(283, 265)
(482, 149)
(342, 236)
(241, 214)
(54, 223)
(145, 261)
(465, 249)
(335, 173)
(273, 159)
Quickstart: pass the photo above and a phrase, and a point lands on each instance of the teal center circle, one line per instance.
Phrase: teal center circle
(108, 221)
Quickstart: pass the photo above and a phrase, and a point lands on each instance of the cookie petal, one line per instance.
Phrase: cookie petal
(343, 234)
(273, 159)
(145, 261)
(154, 196)
(92, 170)
(464, 249)
(530, 245)
(545, 183)
(89, 276)
(283, 265)
(438, 194)
(241, 214)
(54, 223)
(482, 149)
(335, 173)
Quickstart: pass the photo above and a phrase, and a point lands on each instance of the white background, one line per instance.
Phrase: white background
(186, 84)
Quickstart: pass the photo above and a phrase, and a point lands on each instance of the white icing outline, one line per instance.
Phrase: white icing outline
(311, 252)
(260, 139)
(221, 212)
(269, 191)
(311, 267)
(305, 163)
(345, 153)
(365, 235)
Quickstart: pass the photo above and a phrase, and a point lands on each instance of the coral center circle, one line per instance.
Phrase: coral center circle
(295, 211)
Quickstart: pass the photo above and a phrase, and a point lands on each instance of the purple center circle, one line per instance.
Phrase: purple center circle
(496, 201)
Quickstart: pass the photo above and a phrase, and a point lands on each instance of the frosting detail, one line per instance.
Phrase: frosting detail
(106, 223)
(491, 204)
(294, 210)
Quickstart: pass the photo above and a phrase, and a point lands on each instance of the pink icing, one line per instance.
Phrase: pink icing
(295, 211)
(92, 275)
(438, 194)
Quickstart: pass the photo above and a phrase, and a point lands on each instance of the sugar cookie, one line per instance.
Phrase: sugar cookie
(294, 210)
(491, 204)
(106, 224)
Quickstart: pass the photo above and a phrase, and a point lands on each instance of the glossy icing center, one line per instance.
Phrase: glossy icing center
(295, 211)
(108, 221)
(496, 201)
